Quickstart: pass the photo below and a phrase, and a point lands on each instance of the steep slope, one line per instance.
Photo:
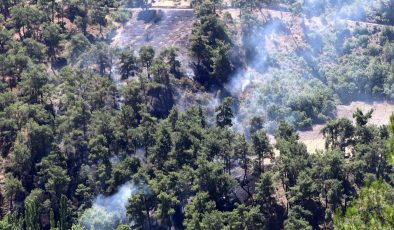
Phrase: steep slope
(159, 28)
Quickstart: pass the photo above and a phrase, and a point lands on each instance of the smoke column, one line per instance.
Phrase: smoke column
(108, 212)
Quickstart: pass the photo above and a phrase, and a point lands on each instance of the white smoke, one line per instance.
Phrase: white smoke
(292, 53)
(108, 212)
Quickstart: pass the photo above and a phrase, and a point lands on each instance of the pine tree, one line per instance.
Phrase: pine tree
(224, 114)
(128, 64)
(63, 213)
(161, 150)
(261, 147)
(52, 221)
(32, 217)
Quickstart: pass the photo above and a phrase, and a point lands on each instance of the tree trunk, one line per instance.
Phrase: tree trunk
(11, 204)
(261, 164)
(148, 215)
(245, 170)
(62, 16)
(147, 70)
(53, 11)
(326, 199)
(146, 154)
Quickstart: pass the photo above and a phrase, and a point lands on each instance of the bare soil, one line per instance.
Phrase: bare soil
(169, 27)
(314, 140)
(380, 116)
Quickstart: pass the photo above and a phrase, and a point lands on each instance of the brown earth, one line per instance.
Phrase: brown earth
(314, 140)
(380, 116)
(169, 27)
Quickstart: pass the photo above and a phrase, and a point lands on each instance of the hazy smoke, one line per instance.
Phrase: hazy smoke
(360, 9)
(285, 65)
(108, 212)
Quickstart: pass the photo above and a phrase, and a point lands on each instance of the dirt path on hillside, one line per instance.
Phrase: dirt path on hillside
(265, 11)
(171, 26)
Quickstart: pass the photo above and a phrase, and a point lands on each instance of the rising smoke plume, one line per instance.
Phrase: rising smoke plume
(292, 59)
(107, 213)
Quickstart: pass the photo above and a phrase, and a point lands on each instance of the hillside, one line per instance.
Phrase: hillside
(286, 47)
(200, 114)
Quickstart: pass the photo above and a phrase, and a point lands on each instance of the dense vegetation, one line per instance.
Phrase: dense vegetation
(81, 121)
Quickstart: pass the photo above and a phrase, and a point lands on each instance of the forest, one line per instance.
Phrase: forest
(200, 135)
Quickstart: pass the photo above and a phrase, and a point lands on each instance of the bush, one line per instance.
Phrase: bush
(388, 52)
(360, 30)
(388, 33)
(122, 16)
(373, 49)
(363, 41)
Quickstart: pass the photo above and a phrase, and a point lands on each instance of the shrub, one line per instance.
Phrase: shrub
(122, 16)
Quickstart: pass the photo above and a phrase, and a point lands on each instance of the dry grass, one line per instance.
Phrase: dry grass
(314, 140)
(380, 116)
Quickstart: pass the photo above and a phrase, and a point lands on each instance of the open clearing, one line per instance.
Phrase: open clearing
(314, 140)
